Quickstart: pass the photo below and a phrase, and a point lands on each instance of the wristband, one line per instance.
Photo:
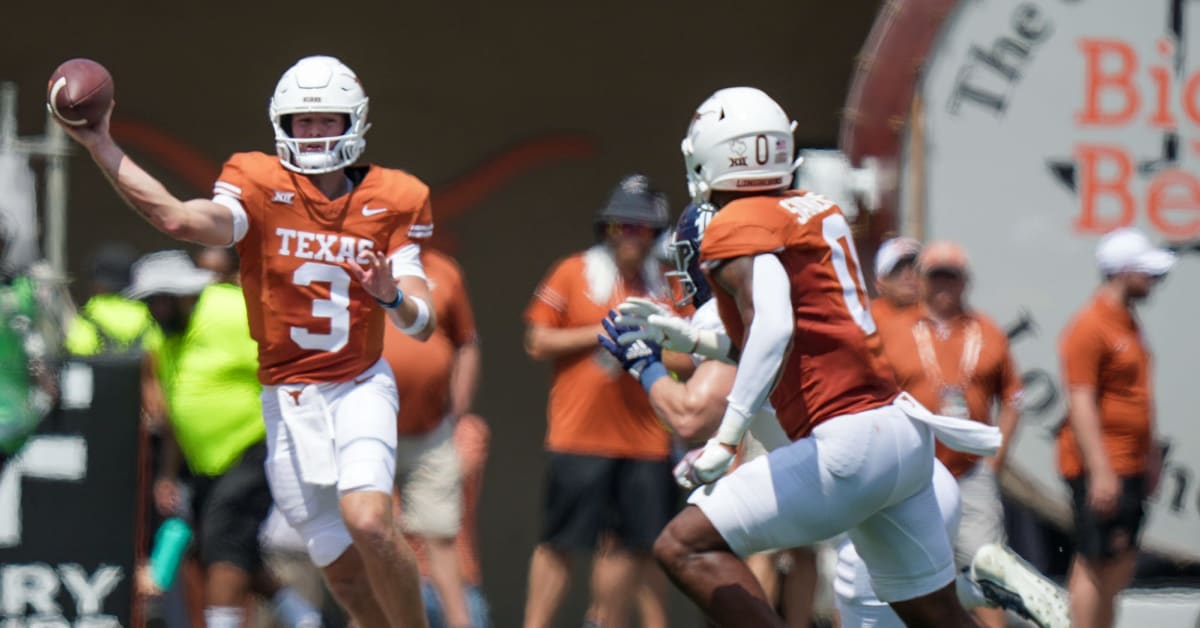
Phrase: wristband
(418, 324)
(395, 303)
(733, 426)
(652, 373)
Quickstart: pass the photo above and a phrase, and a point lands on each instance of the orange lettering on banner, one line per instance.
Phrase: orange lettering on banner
(1191, 98)
(1092, 189)
(1177, 192)
(1098, 81)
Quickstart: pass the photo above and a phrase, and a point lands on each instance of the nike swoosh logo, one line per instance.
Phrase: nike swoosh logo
(367, 211)
(360, 382)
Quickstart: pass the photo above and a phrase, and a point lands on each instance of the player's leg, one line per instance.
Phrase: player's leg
(705, 568)
(576, 497)
(364, 425)
(313, 512)
(431, 492)
(809, 490)
(902, 536)
(349, 584)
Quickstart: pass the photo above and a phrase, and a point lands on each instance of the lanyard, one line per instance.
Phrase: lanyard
(970, 355)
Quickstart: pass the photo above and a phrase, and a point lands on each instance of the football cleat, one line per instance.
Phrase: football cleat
(1013, 584)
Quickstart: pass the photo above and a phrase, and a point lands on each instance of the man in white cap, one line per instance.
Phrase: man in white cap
(896, 283)
(1106, 449)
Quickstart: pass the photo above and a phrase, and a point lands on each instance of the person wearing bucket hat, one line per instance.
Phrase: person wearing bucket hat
(204, 368)
(602, 432)
(1106, 449)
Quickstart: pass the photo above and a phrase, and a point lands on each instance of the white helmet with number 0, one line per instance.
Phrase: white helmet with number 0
(740, 140)
(319, 84)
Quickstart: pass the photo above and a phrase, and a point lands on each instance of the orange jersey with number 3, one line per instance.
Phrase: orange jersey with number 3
(835, 364)
(312, 320)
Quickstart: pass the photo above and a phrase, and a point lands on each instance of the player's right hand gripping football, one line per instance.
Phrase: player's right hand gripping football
(704, 465)
(89, 135)
(656, 324)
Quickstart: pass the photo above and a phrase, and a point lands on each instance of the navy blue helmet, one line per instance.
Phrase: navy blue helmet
(686, 248)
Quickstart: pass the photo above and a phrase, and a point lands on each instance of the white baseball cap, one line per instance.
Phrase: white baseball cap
(1129, 250)
(894, 251)
(167, 272)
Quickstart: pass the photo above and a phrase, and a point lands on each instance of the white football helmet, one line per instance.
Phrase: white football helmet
(740, 140)
(319, 84)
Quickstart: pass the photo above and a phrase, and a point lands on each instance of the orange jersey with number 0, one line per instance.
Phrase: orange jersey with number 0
(312, 320)
(835, 364)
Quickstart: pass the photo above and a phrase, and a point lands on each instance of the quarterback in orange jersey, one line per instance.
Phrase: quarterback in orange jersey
(789, 290)
(328, 251)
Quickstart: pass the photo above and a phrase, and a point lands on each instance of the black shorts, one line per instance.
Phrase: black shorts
(1100, 538)
(230, 508)
(586, 495)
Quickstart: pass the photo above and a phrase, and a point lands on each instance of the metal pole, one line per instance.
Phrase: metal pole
(8, 115)
(56, 196)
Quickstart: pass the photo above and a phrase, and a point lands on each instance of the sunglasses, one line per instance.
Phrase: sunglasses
(626, 229)
(944, 273)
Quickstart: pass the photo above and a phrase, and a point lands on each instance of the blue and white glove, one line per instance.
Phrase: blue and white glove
(641, 358)
(647, 320)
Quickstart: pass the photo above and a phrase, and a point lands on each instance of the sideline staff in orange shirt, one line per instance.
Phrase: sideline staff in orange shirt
(956, 361)
(607, 466)
(1105, 449)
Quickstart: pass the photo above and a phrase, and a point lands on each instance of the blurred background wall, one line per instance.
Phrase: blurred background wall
(519, 116)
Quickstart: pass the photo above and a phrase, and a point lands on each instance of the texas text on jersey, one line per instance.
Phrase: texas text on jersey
(311, 321)
(835, 365)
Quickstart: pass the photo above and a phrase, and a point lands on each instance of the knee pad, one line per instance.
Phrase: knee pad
(326, 538)
(366, 464)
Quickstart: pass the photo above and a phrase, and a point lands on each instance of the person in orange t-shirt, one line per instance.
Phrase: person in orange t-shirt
(896, 283)
(957, 362)
(329, 253)
(607, 464)
(1106, 448)
(436, 382)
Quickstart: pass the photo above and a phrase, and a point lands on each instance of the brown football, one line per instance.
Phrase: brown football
(80, 91)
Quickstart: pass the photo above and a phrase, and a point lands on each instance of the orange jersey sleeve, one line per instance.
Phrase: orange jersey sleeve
(835, 365)
(313, 322)
(548, 307)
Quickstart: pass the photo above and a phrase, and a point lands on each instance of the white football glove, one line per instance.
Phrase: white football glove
(660, 325)
(704, 465)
